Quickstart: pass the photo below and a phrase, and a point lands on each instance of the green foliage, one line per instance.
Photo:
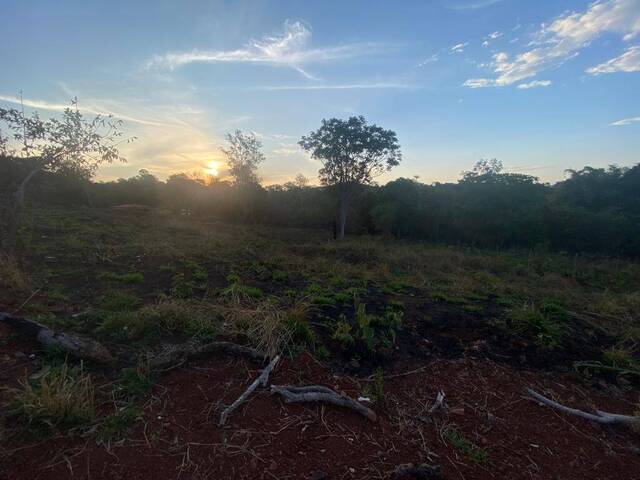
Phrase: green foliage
(118, 301)
(375, 390)
(620, 358)
(137, 382)
(127, 278)
(464, 445)
(239, 293)
(342, 334)
(116, 425)
(544, 324)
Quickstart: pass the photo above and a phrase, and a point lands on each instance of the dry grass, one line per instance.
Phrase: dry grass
(57, 396)
(11, 275)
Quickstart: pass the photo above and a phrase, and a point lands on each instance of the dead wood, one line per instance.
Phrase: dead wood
(76, 345)
(438, 403)
(179, 353)
(262, 379)
(318, 393)
(417, 470)
(601, 417)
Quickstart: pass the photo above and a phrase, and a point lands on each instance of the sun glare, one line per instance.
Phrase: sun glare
(213, 168)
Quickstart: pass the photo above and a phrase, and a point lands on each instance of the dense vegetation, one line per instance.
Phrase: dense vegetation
(593, 210)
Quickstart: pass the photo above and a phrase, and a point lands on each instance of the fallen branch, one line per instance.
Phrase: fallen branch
(76, 345)
(601, 417)
(318, 393)
(180, 353)
(262, 379)
(438, 403)
(421, 470)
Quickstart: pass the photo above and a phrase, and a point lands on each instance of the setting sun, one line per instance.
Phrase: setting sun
(213, 168)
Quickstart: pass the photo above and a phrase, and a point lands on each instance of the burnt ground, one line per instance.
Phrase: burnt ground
(178, 437)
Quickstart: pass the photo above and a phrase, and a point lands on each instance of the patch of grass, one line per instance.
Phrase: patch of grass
(544, 325)
(127, 278)
(116, 425)
(137, 382)
(465, 446)
(118, 301)
(342, 334)
(621, 358)
(239, 293)
(12, 276)
(60, 396)
(473, 309)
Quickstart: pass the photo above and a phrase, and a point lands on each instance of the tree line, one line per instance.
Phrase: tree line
(594, 210)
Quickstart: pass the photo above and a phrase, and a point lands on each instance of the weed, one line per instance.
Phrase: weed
(543, 324)
(117, 301)
(375, 390)
(620, 358)
(238, 293)
(137, 382)
(127, 278)
(116, 425)
(342, 334)
(464, 445)
(56, 396)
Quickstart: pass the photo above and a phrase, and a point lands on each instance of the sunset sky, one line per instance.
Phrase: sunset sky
(541, 85)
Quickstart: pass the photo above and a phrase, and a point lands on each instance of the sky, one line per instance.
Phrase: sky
(543, 86)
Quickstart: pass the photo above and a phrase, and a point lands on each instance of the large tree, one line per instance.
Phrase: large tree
(68, 145)
(352, 153)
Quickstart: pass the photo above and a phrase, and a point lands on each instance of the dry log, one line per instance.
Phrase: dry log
(262, 379)
(420, 470)
(601, 417)
(318, 393)
(179, 353)
(76, 345)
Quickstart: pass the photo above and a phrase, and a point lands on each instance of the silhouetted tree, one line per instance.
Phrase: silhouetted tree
(69, 145)
(243, 157)
(352, 153)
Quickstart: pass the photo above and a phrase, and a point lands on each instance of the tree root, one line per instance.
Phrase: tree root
(318, 393)
(600, 417)
(262, 379)
(180, 353)
(421, 470)
(76, 345)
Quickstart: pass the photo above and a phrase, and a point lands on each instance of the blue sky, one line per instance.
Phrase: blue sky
(541, 85)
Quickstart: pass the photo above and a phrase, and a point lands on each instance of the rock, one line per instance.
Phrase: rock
(318, 475)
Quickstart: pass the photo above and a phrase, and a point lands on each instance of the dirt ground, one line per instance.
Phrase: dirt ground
(178, 435)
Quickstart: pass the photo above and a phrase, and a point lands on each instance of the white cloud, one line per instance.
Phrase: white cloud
(625, 121)
(534, 84)
(85, 107)
(353, 86)
(489, 38)
(288, 150)
(563, 38)
(290, 49)
(479, 83)
(629, 61)
(431, 59)
(458, 48)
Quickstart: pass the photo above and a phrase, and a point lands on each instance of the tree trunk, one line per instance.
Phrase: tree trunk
(15, 215)
(343, 209)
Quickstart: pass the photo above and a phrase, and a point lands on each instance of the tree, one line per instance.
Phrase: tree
(243, 157)
(352, 153)
(68, 145)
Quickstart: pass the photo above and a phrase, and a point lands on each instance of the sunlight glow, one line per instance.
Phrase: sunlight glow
(213, 168)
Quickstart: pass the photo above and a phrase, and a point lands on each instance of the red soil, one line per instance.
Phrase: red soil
(267, 439)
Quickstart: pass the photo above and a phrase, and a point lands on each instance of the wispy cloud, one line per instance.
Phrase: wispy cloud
(489, 38)
(459, 47)
(352, 86)
(433, 58)
(562, 40)
(89, 107)
(534, 84)
(289, 49)
(625, 121)
(629, 61)
(473, 5)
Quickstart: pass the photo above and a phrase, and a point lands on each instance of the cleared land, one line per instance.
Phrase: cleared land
(392, 321)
